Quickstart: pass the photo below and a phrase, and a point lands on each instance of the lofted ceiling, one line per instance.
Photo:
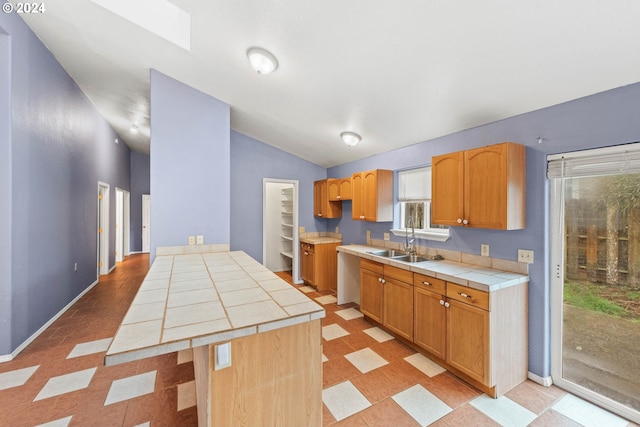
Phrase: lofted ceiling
(396, 72)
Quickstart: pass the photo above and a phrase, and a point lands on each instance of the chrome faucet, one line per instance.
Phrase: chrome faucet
(410, 245)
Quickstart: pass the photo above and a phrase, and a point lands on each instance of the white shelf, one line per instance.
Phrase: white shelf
(287, 238)
(287, 254)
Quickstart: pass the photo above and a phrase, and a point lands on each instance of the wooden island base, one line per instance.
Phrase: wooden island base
(275, 378)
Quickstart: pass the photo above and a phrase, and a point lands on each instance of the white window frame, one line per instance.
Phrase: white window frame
(427, 233)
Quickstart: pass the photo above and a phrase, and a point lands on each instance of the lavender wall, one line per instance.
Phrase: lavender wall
(140, 184)
(604, 119)
(5, 190)
(60, 148)
(251, 161)
(190, 164)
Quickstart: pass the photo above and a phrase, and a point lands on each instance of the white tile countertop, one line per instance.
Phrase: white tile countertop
(470, 275)
(320, 240)
(192, 300)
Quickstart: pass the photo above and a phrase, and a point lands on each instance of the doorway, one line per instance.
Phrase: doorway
(595, 253)
(103, 228)
(280, 244)
(122, 224)
(146, 223)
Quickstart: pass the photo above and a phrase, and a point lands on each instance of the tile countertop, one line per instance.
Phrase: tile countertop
(197, 299)
(472, 276)
(320, 240)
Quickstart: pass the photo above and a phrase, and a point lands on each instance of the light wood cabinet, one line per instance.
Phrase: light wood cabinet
(483, 187)
(319, 264)
(339, 189)
(372, 196)
(430, 317)
(322, 206)
(371, 289)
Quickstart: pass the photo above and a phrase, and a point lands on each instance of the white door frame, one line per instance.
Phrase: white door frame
(146, 223)
(102, 230)
(126, 229)
(295, 264)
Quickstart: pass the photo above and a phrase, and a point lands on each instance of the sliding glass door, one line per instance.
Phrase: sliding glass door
(595, 236)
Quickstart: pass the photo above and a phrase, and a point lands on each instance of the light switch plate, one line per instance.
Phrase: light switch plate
(386, 236)
(200, 240)
(192, 240)
(484, 250)
(300, 229)
(368, 234)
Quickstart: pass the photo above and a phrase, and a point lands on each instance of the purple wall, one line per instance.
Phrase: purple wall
(608, 118)
(60, 148)
(140, 184)
(251, 161)
(5, 191)
(190, 164)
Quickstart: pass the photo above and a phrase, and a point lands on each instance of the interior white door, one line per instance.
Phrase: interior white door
(119, 225)
(126, 228)
(103, 228)
(146, 227)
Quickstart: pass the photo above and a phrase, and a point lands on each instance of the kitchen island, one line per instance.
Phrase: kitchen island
(256, 340)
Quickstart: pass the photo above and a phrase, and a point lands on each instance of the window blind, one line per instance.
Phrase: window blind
(602, 161)
(414, 184)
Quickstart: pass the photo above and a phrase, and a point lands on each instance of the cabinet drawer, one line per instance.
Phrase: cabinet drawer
(429, 283)
(307, 247)
(469, 296)
(371, 265)
(398, 274)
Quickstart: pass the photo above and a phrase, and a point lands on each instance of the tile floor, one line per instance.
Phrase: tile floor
(369, 378)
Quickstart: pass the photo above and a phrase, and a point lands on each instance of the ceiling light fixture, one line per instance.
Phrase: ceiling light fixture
(262, 60)
(350, 138)
(133, 129)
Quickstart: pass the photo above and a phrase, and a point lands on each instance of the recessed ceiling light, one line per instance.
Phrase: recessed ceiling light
(350, 138)
(262, 60)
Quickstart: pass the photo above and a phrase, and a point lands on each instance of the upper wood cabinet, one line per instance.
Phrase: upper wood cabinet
(484, 187)
(339, 189)
(322, 206)
(372, 197)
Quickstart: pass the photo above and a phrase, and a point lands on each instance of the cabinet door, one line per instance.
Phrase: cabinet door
(307, 267)
(370, 195)
(430, 318)
(398, 307)
(371, 294)
(357, 197)
(333, 189)
(322, 207)
(485, 183)
(468, 340)
(317, 199)
(447, 191)
(345, 189)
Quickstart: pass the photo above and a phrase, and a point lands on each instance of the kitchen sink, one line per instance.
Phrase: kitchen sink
(411, 258)
(390, 253)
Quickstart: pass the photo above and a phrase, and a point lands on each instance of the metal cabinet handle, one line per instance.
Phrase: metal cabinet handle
(441, 302)
(465, 222)
(306, 253)
(459, 221)
(384, 281)
(463, 295)
(426, 283)
(446, 304)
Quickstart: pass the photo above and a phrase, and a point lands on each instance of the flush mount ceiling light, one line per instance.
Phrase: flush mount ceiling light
(262, 60)
(133, 129)
(350, 138)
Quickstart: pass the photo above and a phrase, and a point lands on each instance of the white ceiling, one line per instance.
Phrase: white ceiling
(396, 72)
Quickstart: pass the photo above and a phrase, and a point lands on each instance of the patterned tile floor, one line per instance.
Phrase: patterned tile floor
(369, 378)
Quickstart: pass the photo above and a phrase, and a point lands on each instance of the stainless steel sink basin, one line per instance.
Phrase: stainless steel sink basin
(390, 253)
(411, 258)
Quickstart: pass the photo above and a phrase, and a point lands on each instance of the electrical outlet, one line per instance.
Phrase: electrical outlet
(192, 240)
(337, 230)
(484, 250)
(222, 356)
(300, 229)
(368, 234)
(75, 266)
(525, 256)
(200, 240)
(386, 236)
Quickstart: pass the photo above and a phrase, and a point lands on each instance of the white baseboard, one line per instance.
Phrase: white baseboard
(544, 381)
(14, 353)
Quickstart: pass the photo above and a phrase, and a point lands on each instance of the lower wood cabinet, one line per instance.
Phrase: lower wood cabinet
(319, 264)
(481, 336)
